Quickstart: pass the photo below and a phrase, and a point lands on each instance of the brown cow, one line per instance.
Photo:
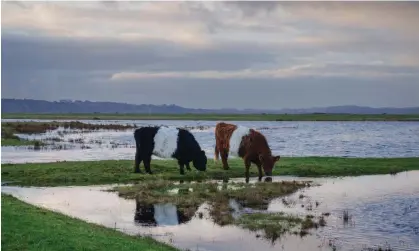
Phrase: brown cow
(246, 143)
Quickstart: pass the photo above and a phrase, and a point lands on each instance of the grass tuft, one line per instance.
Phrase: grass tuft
(189, 196)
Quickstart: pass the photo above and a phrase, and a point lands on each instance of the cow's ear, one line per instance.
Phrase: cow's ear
(276, 158)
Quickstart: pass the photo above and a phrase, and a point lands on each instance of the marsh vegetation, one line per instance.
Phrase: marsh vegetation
(187, 197)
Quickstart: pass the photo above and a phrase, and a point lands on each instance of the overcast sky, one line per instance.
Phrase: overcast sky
(213, 54)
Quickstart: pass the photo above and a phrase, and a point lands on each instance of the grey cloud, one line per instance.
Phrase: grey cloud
(48, 84)
(376, 66)
(76, 54)
(387, 16)
(73, 54)
(251, 8)
(17, 3)
(254, 93)
(309, 16)
(298, 93)
(110, 4)
(42, 53)
(353, 71)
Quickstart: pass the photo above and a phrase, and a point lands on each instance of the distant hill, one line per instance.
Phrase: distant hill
(70, 106)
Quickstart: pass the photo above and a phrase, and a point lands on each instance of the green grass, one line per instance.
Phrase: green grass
(274, 225)
(224, 117)
(26, 227)
(121, 171)
(16, 142)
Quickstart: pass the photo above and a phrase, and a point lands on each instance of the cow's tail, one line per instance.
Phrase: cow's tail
(137, 135)
(216, 148)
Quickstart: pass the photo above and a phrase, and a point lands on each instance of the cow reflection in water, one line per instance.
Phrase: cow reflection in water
(159, 215)
(238, 206)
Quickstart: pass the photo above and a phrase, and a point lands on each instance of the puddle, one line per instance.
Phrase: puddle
(382, 209)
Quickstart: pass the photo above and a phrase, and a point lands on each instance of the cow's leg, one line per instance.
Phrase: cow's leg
(181, 167)
(260, 171)
(224, 158)
(247, 164)
(147, 161)
(187, 166)
(216, 152)
(137, 161)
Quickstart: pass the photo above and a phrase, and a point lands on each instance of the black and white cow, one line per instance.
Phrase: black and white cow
(168, 142)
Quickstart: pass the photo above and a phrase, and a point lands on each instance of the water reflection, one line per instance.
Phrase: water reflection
(159, 214)
(268, 179)
(381, 209)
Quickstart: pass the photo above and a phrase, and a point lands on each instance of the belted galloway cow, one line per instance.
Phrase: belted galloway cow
(168, 142)
(246, 143)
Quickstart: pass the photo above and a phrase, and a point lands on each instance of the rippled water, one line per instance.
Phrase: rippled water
(349, 139)
(383, 210)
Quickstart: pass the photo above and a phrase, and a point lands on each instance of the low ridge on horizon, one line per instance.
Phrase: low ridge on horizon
(86, 106)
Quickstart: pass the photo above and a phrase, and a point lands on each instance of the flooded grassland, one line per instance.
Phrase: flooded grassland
(290, 213)
(216, 210)
(113, 139)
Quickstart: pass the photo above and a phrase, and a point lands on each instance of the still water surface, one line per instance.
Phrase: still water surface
(383, 211)
(347, 139)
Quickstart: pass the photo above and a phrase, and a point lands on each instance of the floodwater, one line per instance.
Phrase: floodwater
(342, 139)
(383, 211)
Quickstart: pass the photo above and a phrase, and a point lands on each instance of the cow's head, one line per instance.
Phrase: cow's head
(268, 163)
(200, 161)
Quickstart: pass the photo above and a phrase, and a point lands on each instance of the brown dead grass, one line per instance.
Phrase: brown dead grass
(42, 127)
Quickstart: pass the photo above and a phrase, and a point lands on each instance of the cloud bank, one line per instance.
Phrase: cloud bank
(213, 54)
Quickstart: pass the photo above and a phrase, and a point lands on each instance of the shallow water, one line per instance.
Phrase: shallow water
(347, 139)
(382, 209)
